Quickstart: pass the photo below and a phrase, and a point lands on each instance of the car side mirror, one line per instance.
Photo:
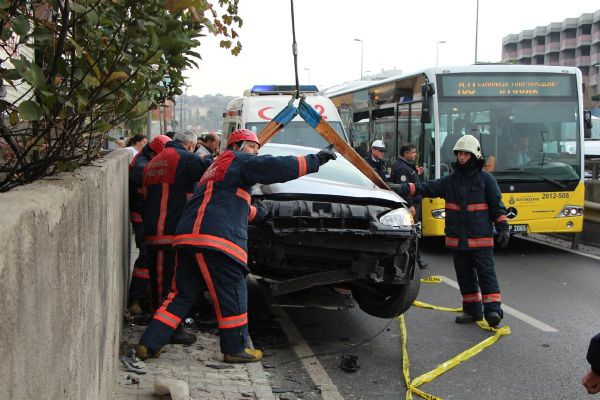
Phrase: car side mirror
(587, 124)
(427, 92)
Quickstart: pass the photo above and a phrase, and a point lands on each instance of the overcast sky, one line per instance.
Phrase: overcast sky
(396, 34)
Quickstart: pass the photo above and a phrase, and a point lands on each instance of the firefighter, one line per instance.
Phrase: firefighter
(168, 180)
(211, 242)
(473, 207)
(138, 290)
(375, 159)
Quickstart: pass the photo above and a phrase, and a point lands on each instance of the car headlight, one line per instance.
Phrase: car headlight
(397, 217)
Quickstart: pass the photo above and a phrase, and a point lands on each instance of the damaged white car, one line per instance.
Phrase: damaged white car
(336, 228)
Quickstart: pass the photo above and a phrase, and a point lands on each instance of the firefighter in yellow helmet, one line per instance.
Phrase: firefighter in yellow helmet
(473, 208)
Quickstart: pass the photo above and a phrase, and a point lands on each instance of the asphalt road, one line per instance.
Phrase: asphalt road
(554, 306)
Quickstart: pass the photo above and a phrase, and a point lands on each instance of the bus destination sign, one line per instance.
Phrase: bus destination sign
(489, 85)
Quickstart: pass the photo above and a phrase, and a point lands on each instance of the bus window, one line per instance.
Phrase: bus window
(360, 137)
(384, 130)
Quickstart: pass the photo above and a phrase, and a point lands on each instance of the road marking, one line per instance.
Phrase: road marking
(556, 246)
(509, 310)
(311, 363)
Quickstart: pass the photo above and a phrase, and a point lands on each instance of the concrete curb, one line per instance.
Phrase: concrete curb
(260, 383)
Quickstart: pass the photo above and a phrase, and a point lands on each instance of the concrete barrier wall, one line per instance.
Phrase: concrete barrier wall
(63, 268)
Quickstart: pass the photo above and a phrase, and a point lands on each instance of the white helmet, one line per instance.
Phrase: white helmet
(470, 144)
(378, 144)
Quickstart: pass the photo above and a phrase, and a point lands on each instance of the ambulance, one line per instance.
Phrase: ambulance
(260, 104)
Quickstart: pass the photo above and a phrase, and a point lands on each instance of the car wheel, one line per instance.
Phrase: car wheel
(387, 301)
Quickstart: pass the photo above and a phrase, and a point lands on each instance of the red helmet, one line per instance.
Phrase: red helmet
(242, 135)
(158, 143)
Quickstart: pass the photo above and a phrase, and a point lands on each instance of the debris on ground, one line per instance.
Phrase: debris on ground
(178, 389)
(349, 363)
(133, 364)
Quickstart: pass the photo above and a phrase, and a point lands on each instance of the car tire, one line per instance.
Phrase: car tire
(388, 301)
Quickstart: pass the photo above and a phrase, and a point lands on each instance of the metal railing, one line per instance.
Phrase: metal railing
(593, 164)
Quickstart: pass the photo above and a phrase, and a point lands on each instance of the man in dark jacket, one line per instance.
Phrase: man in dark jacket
(473, 206)
(376, 159)
(168, 180)
(591, 380)
(405, 171)
(138, 289)
(211, 242)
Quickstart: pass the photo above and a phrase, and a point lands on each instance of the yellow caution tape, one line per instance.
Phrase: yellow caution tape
(412, 386)
(418, 303)
(431, 279)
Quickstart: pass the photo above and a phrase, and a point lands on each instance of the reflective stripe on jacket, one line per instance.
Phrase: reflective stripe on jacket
(473, 205)
(217, 215)
(169, 180)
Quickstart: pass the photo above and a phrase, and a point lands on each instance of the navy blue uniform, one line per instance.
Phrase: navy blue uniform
(473, 206)
(379, 167)
(211, 241)
(168, 180)
(593, 354)
(405, 172)
(141, 276)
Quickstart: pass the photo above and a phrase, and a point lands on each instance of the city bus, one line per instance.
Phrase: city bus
(528, 119)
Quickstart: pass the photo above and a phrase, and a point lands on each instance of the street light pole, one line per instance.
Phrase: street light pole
(476, 30)
(437, 50)
(361, 57)
(308, 69)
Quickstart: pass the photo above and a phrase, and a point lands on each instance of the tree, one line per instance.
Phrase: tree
(92, 65)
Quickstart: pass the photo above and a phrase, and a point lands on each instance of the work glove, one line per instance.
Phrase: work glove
(502, 238)
(326, 154)
(266, 206)
(399, 188)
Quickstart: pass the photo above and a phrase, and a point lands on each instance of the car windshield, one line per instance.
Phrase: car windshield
(298, 133)
(339, 170)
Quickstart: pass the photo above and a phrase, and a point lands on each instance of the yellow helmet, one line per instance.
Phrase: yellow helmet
(470, 144)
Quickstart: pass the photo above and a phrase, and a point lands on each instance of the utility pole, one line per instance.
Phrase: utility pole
(476, 30)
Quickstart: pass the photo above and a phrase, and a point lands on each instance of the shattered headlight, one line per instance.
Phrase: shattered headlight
(397, 217)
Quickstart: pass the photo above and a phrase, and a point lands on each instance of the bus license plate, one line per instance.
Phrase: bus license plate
(518, 228)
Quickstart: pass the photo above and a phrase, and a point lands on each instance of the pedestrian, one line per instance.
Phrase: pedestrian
(405, 171)
(473, 206)
(591, 380)
(211, 242)
(169, 180)
(136, 143)
(375, 159)
(210, 144)
(138, 289)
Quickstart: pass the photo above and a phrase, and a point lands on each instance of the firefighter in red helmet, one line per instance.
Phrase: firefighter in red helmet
(211, 242)
(138, 290)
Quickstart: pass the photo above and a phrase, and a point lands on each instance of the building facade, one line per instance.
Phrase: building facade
(574, 42)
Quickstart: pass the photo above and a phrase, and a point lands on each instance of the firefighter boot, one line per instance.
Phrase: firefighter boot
(466, 318)
(245, 356)
(142, 352)
(135, 308)
(493, 319)
(181, 336)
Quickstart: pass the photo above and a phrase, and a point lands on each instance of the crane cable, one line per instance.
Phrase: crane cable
(295, 51)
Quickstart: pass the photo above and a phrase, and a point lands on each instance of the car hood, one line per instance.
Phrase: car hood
(314, 188)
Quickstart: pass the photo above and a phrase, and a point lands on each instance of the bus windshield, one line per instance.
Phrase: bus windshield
(532, 139)
(298, 133)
